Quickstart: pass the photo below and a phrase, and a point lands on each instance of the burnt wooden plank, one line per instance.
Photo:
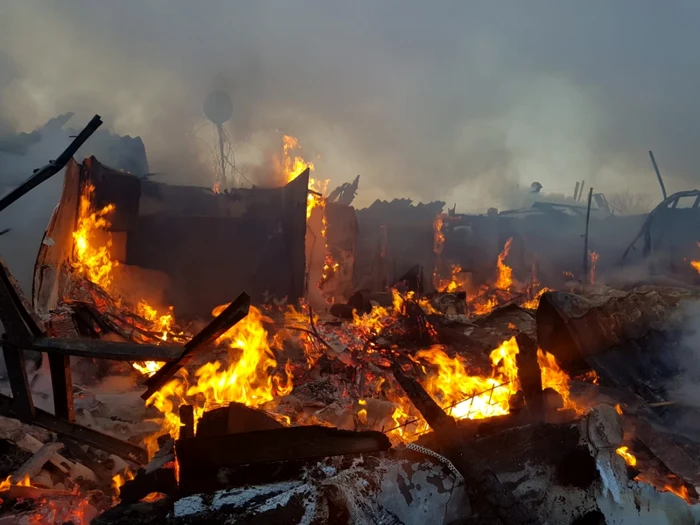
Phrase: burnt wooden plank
(115, 350)
(233, 313)
(84, 435)
(62, 386)
(284, 444)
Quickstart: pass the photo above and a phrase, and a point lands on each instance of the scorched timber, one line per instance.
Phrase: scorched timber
(118, 351)
(284, 444)
(233, 313)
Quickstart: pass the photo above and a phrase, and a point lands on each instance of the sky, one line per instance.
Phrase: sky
(459, 101)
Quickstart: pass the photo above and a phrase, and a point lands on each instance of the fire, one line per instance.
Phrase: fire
(161, 323)
(472, 396)
(534, 303)
(554, 377)
(438, 243)
(119, 479)
(93, 263)
(618, 409)
(362, 412)
(627, 456)
(250, 375)
(680, 491)
(147, 368)
(504, 280)
(455, 284)
(9, 482)
(292, 166)
(593, 258)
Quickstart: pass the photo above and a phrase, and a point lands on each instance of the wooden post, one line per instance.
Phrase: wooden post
(62, 386)
(658, 174)
(576, 190)
(580, 193)
(19, 384)
(585, 237)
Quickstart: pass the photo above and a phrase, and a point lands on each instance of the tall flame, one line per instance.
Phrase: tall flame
(504, 280)
(250, 376)
(93, 262)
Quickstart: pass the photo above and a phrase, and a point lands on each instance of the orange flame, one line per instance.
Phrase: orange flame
(249, 377)
(680, 491)
(119, 479)
(93, 263)
(554, 377)
(9, 482)
(629, 458)
(504, 281)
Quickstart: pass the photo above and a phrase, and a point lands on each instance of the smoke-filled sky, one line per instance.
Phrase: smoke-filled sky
(448, 100)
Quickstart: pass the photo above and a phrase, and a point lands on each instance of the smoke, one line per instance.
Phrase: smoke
(461, 102)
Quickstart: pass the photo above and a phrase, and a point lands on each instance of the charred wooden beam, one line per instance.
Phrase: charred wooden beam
(233, 313)
(77, 432)
(19, 383)
(187, 420)
(482, 482)
(62, 386)
(285, 444)
(115, 350)
(160, 480)
(53, 167)
(529, 373)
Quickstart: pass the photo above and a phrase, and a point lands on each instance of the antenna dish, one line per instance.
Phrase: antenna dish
(218, 106)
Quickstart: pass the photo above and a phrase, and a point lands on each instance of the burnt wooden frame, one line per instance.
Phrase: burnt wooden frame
(25, 331)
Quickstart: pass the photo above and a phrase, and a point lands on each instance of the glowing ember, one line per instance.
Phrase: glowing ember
(251, 376)
(593, 258)
(627, 456)
(618, 409)
(93, 263)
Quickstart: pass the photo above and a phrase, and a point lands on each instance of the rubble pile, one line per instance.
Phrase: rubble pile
(469, 401)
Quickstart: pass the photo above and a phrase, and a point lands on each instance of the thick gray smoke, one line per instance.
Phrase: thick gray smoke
(458, 100)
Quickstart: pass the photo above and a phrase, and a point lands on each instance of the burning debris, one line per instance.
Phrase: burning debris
(488, 398)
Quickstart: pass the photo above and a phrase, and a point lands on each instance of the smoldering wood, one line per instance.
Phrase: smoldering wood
(114, 350)
(482, 482)
(79, 433)
(53, 167)
(289, 443)
(233, 313)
